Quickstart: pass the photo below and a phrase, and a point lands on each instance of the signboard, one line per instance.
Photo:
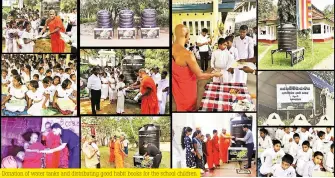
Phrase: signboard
(295, 96)
(71, 123)
(237, 154)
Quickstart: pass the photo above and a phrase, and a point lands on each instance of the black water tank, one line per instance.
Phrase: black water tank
(131, 64)
(287, 37)
(149, 133)
(236, 128)
(104, 19)
(148, 18)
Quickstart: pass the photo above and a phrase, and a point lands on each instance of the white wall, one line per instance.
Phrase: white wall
(247, 14)
(329, 33)
(271, 32)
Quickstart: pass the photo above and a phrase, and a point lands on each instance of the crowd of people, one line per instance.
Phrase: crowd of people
(24, 27)
(33, 84)
(295, 152)
(55, 148)
(224, 60)
(199, 150)
(107, 82)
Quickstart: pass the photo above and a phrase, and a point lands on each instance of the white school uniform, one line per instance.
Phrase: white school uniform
(9, 40)
(294, 149)
(278, 171)
(245, 50)
(17, 101)
(329, 135)
(112, 89)
(74, 85)
(120, 97)
(104, 87)
(35, 24)
(52, 90)
(302, 159)
(265, 143)
(222, 61)
(318, 146)
(280, 134)
(286, 141)
(203, 39)
(162, 96)
(268, 158)
(328, 161)
(17, 41)
(26, 78)
(5, 80)
(309, 168)
(37, 98)
(156, 77)
(29, 47)
(64, 77)
(304, 136)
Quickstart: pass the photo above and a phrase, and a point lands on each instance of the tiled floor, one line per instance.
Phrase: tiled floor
(229, 170)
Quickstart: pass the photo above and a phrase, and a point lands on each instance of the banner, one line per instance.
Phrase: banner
(304, 14)
(71, 123)
(295, 96)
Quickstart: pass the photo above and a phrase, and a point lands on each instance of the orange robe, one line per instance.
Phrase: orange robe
(216, 152)
(149, 103)
(224, 145)
(33, 159)
(57, 44)
(210, 156)
(52, 141)
(111, 152)
(119, 157)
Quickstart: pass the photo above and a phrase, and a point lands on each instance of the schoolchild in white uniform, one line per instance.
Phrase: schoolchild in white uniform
(304, 156)
(270, 157)
(319, 144)
(313, 165)
(264, 140)
(120, 95)
(284, 169)
(162, 92)
(287, 139)
(328, 162)
(295, 147)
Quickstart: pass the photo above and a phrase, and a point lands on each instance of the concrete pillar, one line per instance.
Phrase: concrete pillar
(215, 18)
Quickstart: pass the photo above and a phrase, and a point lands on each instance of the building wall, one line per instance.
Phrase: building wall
(195, 22)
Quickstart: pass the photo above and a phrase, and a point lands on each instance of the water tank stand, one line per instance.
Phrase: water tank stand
(294, 54)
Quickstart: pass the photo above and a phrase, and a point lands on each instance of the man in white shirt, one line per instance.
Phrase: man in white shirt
(162, 92)
(296, 146)
(156, 76)
(94, 85)
(245, 48)
(221, 62)
(203, 42)
(284, 169)
(125, 145)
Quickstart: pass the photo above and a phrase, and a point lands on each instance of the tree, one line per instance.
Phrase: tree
(31, 3)
(287, 11)
(266, 9)
(329, 11)
(68, 5)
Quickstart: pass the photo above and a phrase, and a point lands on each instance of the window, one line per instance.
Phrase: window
(202, 25)
(316, 29)
(197, 28)
(324, 29)
(209, 27)
(191, 27)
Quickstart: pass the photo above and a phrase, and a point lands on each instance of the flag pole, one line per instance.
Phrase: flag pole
(312, 30)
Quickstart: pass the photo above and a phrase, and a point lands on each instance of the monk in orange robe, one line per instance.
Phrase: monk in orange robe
(111, 150)
(119, 153)
(148, 90)
(185, 72)
(224, 145)
(56, 26)
(51, 141)
(210, 156)
(216, 149)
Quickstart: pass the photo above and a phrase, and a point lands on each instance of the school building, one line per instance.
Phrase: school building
(322, 30)
(199, 14)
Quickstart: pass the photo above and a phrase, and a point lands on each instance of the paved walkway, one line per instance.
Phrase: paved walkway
(327, 63)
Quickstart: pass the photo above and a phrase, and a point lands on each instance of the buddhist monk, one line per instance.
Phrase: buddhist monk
(56, 26)
(111, 149)
(119, 153)
(148, 90)
(51, 141)
(216, 149)
(185, 72)
(224, 145)
(33, 157)
(210, 156)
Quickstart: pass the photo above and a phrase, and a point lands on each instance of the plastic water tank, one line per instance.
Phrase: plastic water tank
(287, 37)
(236, 128)
(149, 133)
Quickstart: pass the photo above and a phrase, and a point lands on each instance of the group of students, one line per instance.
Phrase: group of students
(56, 148)
(215, 149)
(33, 83)
(110, 83)
(296, 152)
(23, 28)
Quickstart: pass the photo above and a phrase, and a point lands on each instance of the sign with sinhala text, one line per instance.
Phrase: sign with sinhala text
(295, 96)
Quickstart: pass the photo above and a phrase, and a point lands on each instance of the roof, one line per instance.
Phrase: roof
(318, 82)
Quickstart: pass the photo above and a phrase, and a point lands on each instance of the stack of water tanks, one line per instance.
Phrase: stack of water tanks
(148, 18)
(126, 19)
(104, 19)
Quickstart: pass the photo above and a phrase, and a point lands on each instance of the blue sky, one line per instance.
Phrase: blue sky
(320, 4)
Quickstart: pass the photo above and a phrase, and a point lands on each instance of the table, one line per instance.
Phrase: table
(217, 97)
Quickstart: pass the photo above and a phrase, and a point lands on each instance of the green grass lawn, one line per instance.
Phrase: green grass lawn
(262, 47)
(321, 51)
(104, 158)
(43, 46)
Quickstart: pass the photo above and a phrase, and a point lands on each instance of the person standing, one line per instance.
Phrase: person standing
(119, 153)
(209, 148)
(245, 48)
(224, 145)
(249, 141)
(90, 153)
(125, 145)
(111, 149)
(149, 98)
(154, 152)
(203, 41)
(216, 149)
(70, 140)
(55, 25)
(162, 92)
(51, 141)
(94, 85)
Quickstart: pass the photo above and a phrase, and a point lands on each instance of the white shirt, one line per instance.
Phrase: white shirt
(309, 168)
(294, 149)
(304, 136)
(156, 77)
(95, 146)
(125, 143)
(74, 85)
(234, 52)
(52, 90)
(278, 171)
(120, 92)
(244, 47)
(35, 96)
(268, 158)
(64, 93)
(328, 162)
(318, 146)
(264, 143)
(328, 136)
(28, 48)
(286, 141)
(94, 82)
(64, 77)
(222, 61)
(203, 39)
(5, 80)
(302, 159)
(18, 93)
(162, 84)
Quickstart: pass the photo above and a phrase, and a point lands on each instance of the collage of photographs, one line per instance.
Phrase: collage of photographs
(232, 88)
